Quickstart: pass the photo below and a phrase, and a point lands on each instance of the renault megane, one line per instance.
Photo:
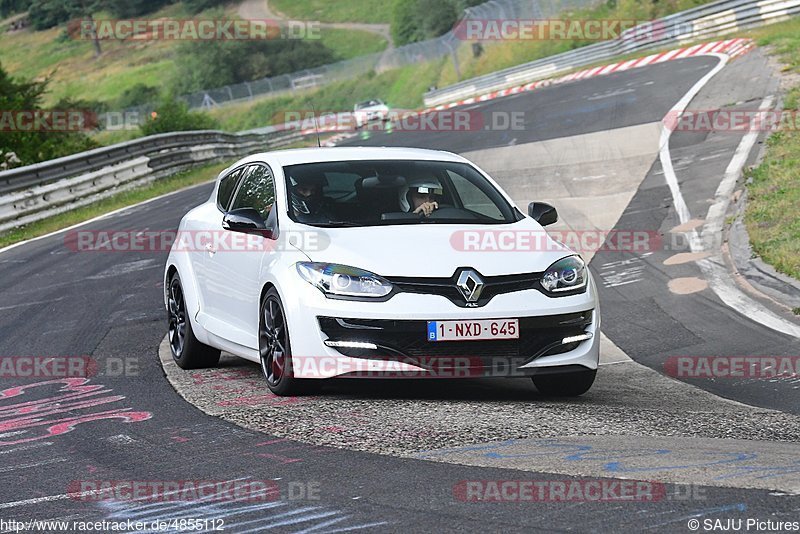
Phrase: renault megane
(346, 262)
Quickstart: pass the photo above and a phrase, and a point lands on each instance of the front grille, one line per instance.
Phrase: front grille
(407, 340)
(447, 287)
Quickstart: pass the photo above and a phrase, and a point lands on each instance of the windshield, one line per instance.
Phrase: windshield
(368, 104)
(370, 193)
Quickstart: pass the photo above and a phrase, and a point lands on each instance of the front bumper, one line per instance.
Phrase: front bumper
(398, 327)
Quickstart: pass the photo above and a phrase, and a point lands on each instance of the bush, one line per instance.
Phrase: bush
(133, 8)
(196, 6)
(418, 20)
(173, 115)
(137, 95)
(34, 146)
(46, 14)
(211, 64)
(9, 7)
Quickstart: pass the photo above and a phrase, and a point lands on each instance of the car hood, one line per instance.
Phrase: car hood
(437, 250)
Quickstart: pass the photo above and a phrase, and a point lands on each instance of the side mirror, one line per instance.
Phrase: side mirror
(247, 221)
(543, 213)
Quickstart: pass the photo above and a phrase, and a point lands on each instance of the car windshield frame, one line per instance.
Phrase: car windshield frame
(349, 207)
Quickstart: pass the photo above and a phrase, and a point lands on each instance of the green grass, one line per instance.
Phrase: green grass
(73, 69)
(773, 207)
(370, 11)
(120, 200)
(348, 44)
(76, 73)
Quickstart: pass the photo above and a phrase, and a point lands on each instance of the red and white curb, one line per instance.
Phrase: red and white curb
(730, 47)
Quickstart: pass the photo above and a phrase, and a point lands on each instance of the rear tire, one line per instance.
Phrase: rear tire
(186, 350)
(275, 351)
(565, 384)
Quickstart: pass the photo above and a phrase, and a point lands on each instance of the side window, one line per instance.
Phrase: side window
(473, 198)
(226, 188)
(257, 190)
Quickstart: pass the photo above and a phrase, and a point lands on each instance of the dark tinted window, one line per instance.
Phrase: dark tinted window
(257, 190)
(226, 188)
(366, 193)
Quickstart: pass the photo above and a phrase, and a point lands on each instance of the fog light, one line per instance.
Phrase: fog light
(351, 344)
(575, 339)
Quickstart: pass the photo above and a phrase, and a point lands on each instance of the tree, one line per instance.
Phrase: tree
(210, 64)
(418, 20)
(9, 7)
(32, 145)
(173, 115)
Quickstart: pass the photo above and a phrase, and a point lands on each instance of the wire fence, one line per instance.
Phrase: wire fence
(423, 51)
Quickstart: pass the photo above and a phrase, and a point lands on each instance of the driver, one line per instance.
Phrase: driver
(308, 202)
(420, 196)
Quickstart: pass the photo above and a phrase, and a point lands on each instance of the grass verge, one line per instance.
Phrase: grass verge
(368, 11)
(773, 207)
(120, 200)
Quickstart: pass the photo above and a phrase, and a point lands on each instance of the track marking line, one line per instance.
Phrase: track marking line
(713, 268)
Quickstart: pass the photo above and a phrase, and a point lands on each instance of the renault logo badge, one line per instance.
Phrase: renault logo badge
(470, 285)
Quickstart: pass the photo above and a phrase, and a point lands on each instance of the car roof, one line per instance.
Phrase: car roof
(318, 155)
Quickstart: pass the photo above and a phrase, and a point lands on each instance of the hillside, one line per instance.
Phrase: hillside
(74, 71)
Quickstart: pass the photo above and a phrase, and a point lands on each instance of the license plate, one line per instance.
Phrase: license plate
(473, 330)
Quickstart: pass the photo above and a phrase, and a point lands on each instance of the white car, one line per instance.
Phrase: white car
(380, 262)
(370, 110)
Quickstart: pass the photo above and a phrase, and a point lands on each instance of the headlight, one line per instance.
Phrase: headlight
(567, 274)
(343, 281)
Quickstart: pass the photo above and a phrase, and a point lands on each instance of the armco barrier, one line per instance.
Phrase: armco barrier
(704, 22)
(35, 192)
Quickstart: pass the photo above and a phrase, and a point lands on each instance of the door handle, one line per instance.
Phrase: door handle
(210, 249)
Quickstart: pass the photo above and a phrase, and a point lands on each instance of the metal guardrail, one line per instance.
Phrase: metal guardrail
(703, 22)
(35, 192)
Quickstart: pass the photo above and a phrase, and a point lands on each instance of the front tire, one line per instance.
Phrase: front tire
(565, 384)
(274, 347)
(186, 350)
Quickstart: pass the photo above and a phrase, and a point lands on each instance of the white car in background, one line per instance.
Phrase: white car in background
(369, 111)
(382, 286)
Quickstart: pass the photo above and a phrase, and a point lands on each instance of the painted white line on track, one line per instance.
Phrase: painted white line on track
(616, 362)
(713, 268)
(31, 465)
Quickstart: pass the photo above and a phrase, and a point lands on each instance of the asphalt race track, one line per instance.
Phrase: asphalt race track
(392, 456)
